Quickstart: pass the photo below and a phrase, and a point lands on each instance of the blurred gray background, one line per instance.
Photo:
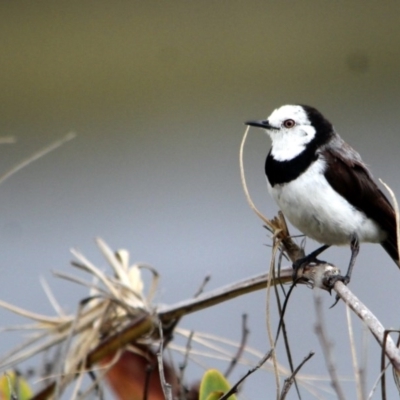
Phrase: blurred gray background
(157, 93)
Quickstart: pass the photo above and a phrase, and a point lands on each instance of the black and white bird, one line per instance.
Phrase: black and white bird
(322, 185)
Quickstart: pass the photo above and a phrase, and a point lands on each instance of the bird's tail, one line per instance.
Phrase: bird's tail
(390, 245)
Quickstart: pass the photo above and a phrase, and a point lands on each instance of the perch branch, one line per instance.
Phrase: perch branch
(376, 328)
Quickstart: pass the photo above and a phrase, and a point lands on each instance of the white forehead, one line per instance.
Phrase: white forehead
(296, 113)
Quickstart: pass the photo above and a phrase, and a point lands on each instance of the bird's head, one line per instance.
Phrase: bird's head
(291, 128)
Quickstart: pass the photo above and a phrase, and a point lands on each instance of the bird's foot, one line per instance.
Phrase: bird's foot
(310, 258)
(303, 262)
(330, 283)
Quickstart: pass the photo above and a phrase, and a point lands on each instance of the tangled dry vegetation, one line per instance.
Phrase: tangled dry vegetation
(119, 334)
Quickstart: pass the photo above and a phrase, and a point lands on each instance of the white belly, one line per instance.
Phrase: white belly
(318, 211)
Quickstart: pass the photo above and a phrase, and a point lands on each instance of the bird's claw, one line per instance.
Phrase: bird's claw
(331, 280)
(330, 283)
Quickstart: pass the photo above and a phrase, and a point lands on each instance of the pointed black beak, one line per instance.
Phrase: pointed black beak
(260, 124)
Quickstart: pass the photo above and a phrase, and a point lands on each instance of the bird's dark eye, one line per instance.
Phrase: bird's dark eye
(289, 123)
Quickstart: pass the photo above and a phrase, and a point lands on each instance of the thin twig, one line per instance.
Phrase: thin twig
(64, 351)
(268, 318)
(396, 374)
(364, 357)
(50, 296)
(243, 341)
(283, 325)
(283, 311)
(278, 271)
(326, 346)
(95, 386)
(146, 385)
(383, 367)
(235, 387)
(375, 385)
(292, 249)
(243, 178)
(289, 381)
(200, 290)
(182, 367)
(36, 156)
(359, 387)
(166, 387)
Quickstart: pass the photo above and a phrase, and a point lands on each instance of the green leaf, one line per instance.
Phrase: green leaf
(214, 385)
(215, 395)
(12, 383)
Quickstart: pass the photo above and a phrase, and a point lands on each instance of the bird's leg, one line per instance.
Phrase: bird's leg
(355, 248)
(312, 257)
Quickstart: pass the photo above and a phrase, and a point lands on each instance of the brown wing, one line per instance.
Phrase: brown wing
(357, 185)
